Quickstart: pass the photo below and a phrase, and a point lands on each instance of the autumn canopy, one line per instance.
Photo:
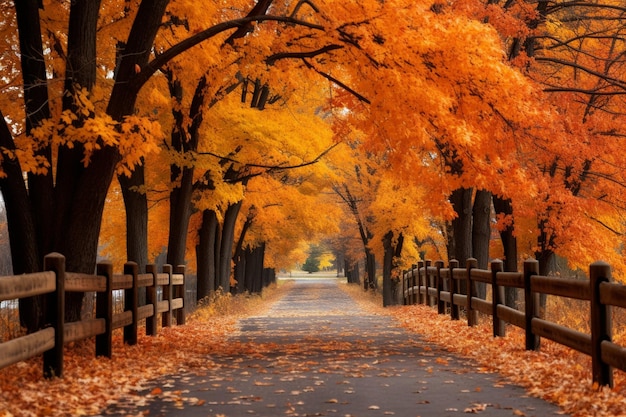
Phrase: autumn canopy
(229, 137)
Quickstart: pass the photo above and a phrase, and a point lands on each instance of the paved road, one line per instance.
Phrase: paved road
(316, 353)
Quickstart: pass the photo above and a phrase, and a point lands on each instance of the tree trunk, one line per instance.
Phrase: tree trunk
(370, 282)
(227, 243)
(503, 206)
(481, 235)
(180, 212)
(460, 229)
(205, 254)
(136, 204)
(351, 269)
(390, 280)
(254, 269)
(460, 238)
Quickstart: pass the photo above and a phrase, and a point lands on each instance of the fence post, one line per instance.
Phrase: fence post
(405, 286)
(531, 267)
(441, 305)
(454, 308)
(601, 326)
(131, 302)
(53, 358)
(415, 280)
(424, 278)
(180, 293)
(496, 298)
(151, 298)
(104, 310)
(167, 295)
(472, 315)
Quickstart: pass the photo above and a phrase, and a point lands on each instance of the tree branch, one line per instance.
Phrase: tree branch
(339, 83)
(163, 58)
(270, 168)
(271, 60)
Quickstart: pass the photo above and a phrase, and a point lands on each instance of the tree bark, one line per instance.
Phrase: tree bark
(227, 243)
(136, 205)
(370, 282)
(504, 207)
(481, 234)
(390, 281)
(460, 238)
(205, 254)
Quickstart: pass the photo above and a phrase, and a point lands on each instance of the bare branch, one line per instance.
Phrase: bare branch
(271, 60)
(163, 58)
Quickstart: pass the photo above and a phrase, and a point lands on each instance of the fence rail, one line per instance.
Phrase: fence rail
(435, 285)
(55, 282)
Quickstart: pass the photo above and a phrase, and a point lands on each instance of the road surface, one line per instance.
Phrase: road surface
(316, 353)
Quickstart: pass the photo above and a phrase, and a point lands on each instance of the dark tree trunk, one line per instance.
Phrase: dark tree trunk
(243, 255)
(460, 238)
(390, 281)
(503, 206)
(180, 213)
(183, 141)
(254, 268)
(351, 269)
(460, 229)
(370, 282)
(481, 234)
(205, 254)
(227, 244)
(136, 205)
(241, 264)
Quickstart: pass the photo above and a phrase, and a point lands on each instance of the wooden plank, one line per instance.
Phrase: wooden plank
(563, 335)
(122, 319)
(482, 306)
(432, 292)
(459, 273)
(510, 279)
(163, 306)
(613, 355)
(613, 294)
(27, 285)
(145, 312)
(481, 275)
(460, 299)
(77, 282)
(511, 315)
(445, 296)
(145, 280)
(563, 287)
(178, 279)
(79, 330)
(121, 282)
(25, 347)
(163, 279)
(177, 303)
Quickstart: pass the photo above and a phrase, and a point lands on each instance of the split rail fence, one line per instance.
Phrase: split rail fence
(55, 282)
(435, 285)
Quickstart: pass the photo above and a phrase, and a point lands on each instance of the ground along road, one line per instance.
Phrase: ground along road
(316, 353)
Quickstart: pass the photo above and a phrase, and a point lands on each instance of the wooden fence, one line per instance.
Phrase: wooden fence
(437, 286)
(54, 282)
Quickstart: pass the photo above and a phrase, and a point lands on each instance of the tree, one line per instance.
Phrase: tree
(312, 263)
